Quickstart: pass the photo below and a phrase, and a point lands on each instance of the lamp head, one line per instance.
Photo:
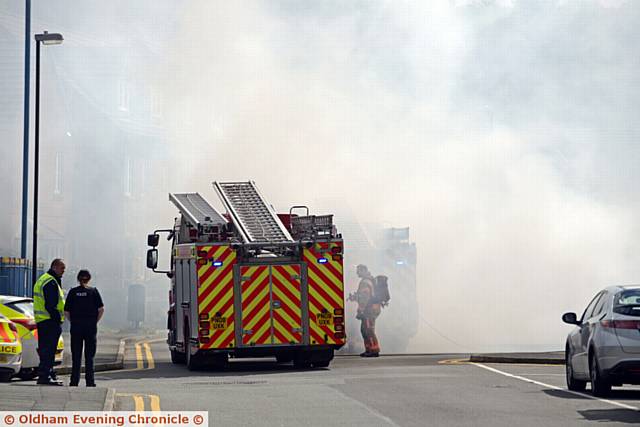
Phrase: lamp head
(47, 38)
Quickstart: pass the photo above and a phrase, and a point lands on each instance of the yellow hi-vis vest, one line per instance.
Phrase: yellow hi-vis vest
(39, 309)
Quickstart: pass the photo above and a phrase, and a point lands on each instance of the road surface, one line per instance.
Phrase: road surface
(416, 390)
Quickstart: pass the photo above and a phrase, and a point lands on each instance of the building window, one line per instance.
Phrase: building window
(57, 189)
(127, 177)
(123, 96)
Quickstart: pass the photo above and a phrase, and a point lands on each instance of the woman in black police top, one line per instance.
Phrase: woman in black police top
(83, 308)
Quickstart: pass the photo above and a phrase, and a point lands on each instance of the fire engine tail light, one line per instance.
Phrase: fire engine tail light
(204, 340)
(202, 261)
(204, 332)
(338, 321)
(338, 311)
(339, 335)
(204, 325)
(204, 317)
(339, 328)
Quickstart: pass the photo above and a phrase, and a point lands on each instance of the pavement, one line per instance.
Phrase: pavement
(109, 353)
(27, 395)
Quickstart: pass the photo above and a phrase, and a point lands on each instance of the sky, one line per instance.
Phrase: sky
(504, 133)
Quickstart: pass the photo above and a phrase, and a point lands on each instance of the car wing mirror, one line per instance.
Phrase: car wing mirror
(570, 318)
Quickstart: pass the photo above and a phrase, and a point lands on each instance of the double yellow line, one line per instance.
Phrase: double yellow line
(151, 364)
(138, 401)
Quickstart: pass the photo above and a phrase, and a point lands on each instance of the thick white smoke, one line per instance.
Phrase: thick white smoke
(501, 132)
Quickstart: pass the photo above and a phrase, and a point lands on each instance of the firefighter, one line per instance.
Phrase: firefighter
(368, 311)
(48, 307)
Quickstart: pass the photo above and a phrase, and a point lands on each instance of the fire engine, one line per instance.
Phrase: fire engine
(251, 282)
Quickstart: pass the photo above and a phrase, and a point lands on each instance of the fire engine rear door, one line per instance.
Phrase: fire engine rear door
(256, 305)
(271, 302)
(286, 304)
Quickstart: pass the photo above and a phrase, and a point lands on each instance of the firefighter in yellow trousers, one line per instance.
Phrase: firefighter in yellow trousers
(368, 311)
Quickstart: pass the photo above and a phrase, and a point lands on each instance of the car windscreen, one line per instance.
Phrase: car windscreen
(24, 307)
(628, 303)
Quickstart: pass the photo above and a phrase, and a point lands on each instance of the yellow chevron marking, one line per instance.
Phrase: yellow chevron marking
(335, 280)
(285, 301)
(261, 295)
(218, 271)
(219, 287)
(257, 334)
(284, 331)
(321, 300)
(264, 310)
(286, 282)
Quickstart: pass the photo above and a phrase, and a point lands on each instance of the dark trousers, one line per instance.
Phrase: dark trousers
(48, 335)
(83, 334)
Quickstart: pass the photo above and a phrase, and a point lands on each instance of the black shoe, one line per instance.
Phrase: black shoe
(91, 385)
(53, 376)
(49, 382)
(73, 384)
(371, 355)
(363, 354)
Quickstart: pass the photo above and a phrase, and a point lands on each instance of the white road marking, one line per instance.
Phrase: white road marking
(542, 375)
(575, 393)
(369, 410)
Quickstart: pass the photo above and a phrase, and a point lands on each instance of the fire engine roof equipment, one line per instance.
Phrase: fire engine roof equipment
(254, 218)
(196, 209)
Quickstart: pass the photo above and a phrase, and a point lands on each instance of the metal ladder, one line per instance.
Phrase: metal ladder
(196, 209)
(254, 218)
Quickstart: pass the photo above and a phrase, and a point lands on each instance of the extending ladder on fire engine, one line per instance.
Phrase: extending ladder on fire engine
(196, 209)
(255, 219)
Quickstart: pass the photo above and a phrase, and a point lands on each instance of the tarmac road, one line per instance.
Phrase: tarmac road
(420, 390)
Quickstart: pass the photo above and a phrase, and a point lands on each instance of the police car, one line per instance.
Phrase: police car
(20, 311)
(10, 349)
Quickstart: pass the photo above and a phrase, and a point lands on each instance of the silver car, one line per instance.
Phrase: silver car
(604, 349)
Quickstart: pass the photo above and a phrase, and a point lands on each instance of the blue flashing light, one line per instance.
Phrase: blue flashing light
(217, 263)
(322, 260)
(399, 262)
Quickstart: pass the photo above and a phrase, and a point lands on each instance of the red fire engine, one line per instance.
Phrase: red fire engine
(250, 282)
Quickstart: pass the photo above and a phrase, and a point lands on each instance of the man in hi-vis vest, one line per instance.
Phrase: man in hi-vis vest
(48, 307)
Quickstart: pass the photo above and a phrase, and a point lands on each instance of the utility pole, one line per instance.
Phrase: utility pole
(25, 131)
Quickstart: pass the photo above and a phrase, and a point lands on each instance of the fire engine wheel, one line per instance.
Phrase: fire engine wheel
(193, 362)
(178, 358)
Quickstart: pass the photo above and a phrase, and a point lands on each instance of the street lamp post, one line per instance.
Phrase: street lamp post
(46, 39)
(25, 130)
